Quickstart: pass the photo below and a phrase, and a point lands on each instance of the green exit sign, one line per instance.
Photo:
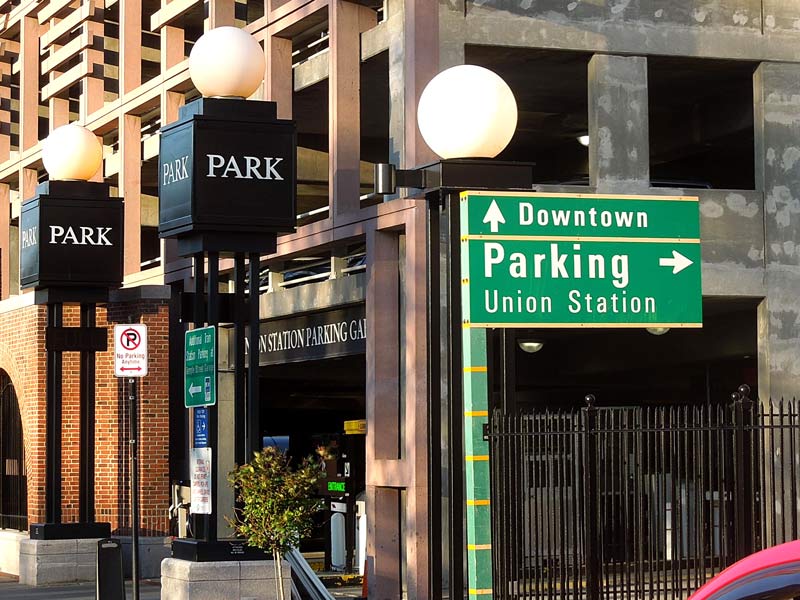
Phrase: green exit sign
(336, 486)
(547, 260)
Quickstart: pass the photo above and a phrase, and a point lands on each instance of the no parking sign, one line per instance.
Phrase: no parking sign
(130, 350)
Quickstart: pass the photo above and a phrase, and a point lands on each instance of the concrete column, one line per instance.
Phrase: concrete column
(382, 408)
(415, 389)
(28, 180)
(619, 150)
(777, 140)
(278, 79)
(383, 542)
(92, 96)
(383, 360)
(130, 45)
(5, 108)
(413, 40)
(58, 108)
(220, 12)
(172, 44)
(5, 240)
(29, 83)
(347, 21)
(130, 188)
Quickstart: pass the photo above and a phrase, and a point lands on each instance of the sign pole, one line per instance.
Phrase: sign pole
(134, 445)
(213, 321)
(130, 362)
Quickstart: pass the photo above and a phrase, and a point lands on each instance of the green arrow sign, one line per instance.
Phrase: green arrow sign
(531, 260)
(584, 215)
(200, 367)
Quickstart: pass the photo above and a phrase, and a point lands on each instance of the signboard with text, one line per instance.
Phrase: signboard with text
(130, 350)
(320, 335)
(70, 241)
(557, 260)
(200, 467)
(200, 367)
(227, 166)
(200, 427)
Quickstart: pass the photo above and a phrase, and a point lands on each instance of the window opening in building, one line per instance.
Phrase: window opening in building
(13, 475)
(633, 367)
(701, 123)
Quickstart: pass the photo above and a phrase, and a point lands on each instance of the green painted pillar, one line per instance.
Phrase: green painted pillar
(476, 450)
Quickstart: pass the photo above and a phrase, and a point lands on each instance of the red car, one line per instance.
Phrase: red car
(771, 574)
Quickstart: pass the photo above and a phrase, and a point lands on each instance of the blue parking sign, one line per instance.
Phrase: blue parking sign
(201, 427)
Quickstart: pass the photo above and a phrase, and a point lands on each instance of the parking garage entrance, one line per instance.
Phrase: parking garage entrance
(635, 463)
(313, 375)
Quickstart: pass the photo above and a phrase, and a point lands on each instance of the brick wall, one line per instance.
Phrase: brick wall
(23, 357)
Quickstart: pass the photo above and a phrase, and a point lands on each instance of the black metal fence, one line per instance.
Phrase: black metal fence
(13, 477)
(638, 502)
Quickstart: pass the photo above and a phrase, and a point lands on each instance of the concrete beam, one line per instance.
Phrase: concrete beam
(735, 29)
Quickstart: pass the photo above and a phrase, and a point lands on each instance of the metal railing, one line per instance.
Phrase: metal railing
(638, 502)
(13, 477)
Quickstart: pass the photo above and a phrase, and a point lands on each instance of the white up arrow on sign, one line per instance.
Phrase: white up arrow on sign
(494, 217)
(678, 262)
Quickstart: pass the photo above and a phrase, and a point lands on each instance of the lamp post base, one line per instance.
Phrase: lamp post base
(222, 550)
(70, 531)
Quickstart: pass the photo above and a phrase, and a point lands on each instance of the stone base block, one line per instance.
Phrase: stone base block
(45, 562)
(232, 580)
(9, 550)
(152, 550)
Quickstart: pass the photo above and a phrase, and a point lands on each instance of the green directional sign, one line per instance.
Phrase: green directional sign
(200, 367)
(545, 260)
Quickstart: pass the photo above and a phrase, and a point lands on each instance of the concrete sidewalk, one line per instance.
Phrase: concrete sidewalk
(149, 589)
(10, 589)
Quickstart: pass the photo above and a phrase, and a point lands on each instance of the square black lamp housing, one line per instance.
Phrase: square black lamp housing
(71, 236)
(227, 176)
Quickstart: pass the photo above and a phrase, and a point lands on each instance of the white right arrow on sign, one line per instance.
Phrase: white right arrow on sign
(678, 262)
(494, 217)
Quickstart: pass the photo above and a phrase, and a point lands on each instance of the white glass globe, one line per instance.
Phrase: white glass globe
(71, 152)
(227, 61)
(467, 112)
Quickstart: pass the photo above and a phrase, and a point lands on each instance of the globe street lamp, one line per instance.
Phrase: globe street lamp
(467, 115)
(227, 179)
(71, 245)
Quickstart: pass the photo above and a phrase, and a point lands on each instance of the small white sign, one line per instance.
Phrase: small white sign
(200, 468)
(130, 350)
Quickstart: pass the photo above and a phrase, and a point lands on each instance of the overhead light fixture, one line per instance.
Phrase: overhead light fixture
(530, 346)
(584, 140)
(657, 330)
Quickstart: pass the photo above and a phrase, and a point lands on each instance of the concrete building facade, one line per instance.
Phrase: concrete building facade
(677, 97)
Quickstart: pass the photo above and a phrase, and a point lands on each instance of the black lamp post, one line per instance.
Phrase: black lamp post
(464, 112)
(227, 173)
(71, 245)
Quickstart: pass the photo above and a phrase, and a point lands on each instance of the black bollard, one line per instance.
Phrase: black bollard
(110, 580)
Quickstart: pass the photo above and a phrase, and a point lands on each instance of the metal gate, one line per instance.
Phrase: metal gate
(638, 502)
(13, 477)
